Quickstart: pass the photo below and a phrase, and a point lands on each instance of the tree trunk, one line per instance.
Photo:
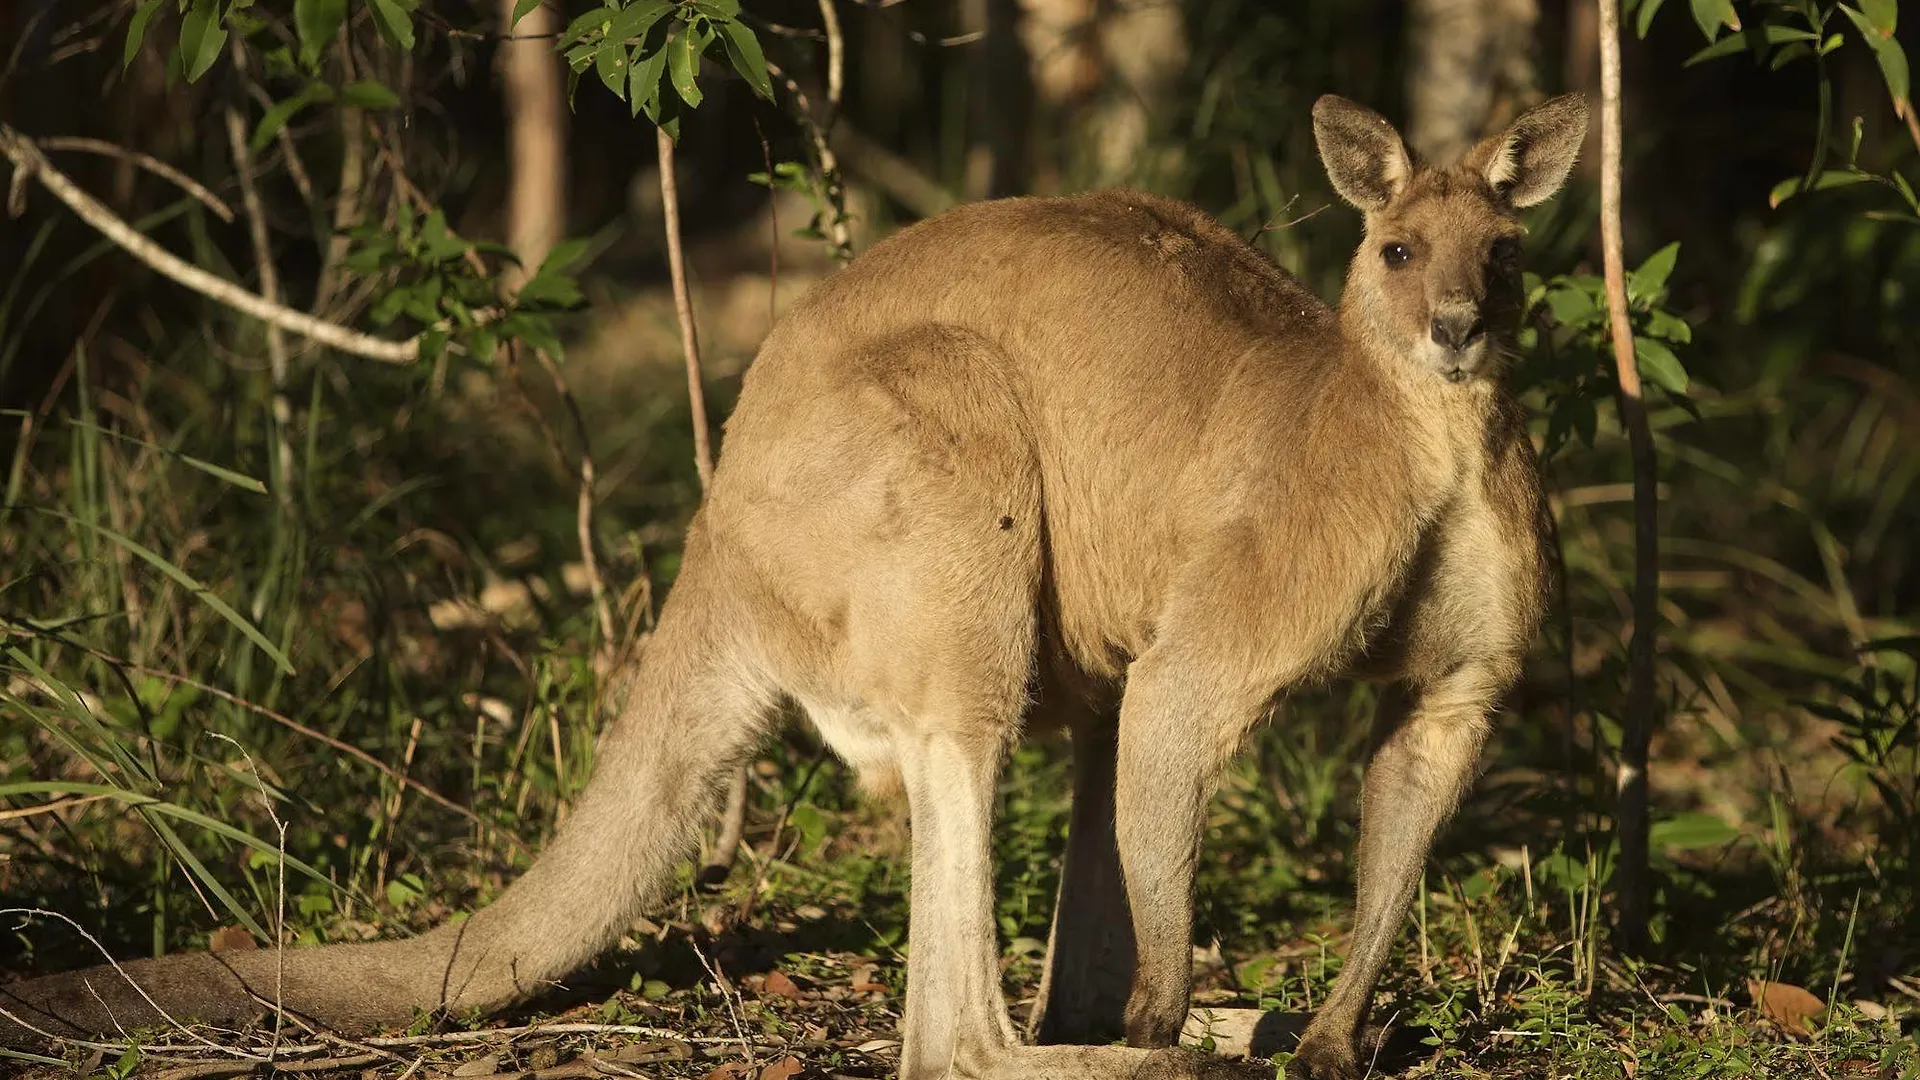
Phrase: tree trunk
(530, 79)
(1101, 70)
(1472, 71)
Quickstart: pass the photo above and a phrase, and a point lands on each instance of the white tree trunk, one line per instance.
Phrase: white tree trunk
(530, 81)
(1472, 71)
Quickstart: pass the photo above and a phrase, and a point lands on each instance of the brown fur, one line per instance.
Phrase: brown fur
(1084, 461)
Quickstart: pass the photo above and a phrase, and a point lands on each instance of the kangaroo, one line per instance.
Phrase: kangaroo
(1086, 462)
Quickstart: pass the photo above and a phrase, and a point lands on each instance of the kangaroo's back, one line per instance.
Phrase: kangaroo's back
(1148, 354)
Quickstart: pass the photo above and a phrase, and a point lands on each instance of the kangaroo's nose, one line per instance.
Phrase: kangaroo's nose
(1456, 330)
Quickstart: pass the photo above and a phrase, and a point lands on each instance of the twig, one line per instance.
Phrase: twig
(30, 163)
(773, 231)
(828, 186)
(727, 996)
(148, 162)
(836, 61)
(391, 812)
(270, 291)
(735, 822)
(214, 1070)
(53, 807)
(280, 903)
(1637, 731)
(683, 307)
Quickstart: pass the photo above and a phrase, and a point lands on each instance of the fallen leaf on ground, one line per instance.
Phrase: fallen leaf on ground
(784, 1069)
(1785, 1004)
(779, 985)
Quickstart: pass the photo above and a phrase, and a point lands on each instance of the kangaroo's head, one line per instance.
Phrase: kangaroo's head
(1437, 279)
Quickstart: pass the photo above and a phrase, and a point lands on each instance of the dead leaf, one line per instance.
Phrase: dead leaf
(1785, 1004)
(866, 980)
(231, 939)
(732, 1070)
(785, 1069)
(779, 985)
(480, 1066)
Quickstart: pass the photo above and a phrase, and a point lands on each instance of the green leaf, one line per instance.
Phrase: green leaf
(1713, 14)
(1726, 46)
(610, 63)
(1883, 14)
(1665, 324)
(645, 83)
(743, 50)
(635, 21)
(317, 21)
(137, 30)
(1892, 58)
(564, 254)
(582, 25)
(1658, 364)
(368, 94)
(532, 329)
(1570, 307)
(201, 38)
(683, 65)
(395, 20)
(1650, 277)
(1690, 831)
(520, 9)
(1832, 178)
(1906, 191)
(482, 344)
(284, 111)
(1645, 21)
(1799, 50)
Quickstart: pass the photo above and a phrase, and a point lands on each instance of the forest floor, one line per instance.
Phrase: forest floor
(794, 968)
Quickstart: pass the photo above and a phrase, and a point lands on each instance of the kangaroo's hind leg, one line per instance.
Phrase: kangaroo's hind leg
(1090, 955)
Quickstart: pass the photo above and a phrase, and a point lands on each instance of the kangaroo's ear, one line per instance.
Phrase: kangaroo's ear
(1529, 161)
(1364, 155)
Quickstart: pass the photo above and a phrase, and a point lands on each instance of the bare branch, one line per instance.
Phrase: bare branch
(30, 163)
(145, 161)
(836, 60)
(683, 307)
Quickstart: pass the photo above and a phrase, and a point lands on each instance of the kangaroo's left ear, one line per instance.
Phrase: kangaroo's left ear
(1529, 161)
(1363, 154)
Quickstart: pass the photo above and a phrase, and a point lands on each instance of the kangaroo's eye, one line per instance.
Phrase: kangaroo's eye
(1506, 249)
(1396, 255)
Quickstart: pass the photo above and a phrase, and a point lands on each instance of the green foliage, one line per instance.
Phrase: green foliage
(1781, 32)
(642, 48)
(1568, 346)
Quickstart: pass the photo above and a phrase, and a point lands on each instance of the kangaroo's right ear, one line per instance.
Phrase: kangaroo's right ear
(1364, 155)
